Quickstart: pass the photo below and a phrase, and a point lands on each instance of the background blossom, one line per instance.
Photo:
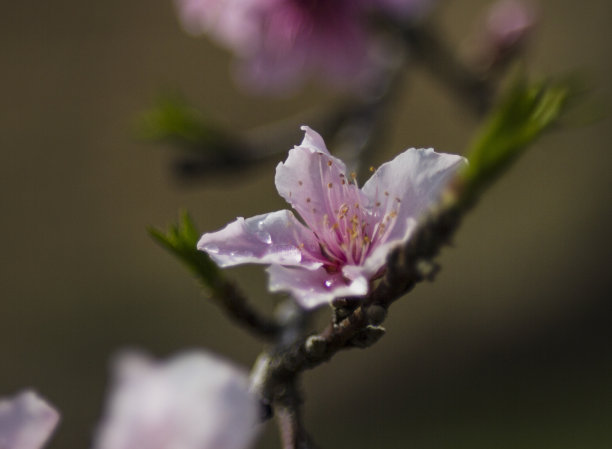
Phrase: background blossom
(192, 401)
(26, 421)
(280, 42)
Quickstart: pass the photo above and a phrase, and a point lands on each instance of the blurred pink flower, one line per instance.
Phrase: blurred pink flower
(502, 34)
(509, 21)
(348, 231)
(281, 42)
(26, 421)
(192, 401)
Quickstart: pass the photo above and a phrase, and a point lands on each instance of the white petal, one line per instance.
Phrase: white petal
(277, 237)
(192, 401)
(26, 421)
(313, 288)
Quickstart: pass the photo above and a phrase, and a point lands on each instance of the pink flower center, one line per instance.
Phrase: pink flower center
(348, 234)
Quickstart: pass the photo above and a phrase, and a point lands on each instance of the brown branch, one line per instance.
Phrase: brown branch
(292, 431)
(235, 305)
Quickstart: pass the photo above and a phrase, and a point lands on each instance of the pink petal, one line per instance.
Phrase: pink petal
(508, 21)
(192, 401)
(378, 255)
(410, 184)
(26, 421)
(274, 238)
(314, 182)
(313, 140)
(231, 22)
(313, 288)
(400, 192)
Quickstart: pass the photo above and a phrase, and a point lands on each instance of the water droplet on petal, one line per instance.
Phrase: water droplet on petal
(211, 248)
(328, 283)
(241, 254)
(264, 237)
(288, 254)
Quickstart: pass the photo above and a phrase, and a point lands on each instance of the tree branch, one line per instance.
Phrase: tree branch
(292, 431)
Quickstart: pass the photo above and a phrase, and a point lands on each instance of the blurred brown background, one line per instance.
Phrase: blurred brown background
(509, 348)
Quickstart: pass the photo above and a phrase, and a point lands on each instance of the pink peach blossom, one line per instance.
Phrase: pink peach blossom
(192, 401)
(26, 421)
(347, 232)
(281, 42)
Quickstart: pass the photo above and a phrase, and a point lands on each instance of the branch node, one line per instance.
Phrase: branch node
(315, 346)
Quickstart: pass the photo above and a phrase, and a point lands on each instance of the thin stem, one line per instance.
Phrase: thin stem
(292, 431)
(236, 306)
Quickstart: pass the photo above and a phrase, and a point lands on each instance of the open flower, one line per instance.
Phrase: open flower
(26, 421)
(280, 42)
(192, 401)
(347, 232)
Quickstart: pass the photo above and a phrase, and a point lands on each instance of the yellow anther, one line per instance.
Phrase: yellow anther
(372, 168)
(330, 185)
(329, 163)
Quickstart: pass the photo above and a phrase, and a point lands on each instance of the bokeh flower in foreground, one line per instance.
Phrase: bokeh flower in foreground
(192, 401)
(280, 42)
(347, 232)
(26, 421)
